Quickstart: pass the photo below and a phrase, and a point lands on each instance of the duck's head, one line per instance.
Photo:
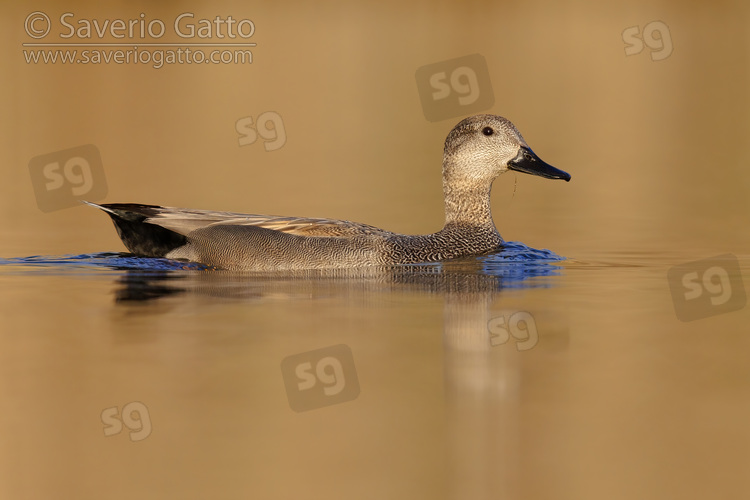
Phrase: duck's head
(482, 147)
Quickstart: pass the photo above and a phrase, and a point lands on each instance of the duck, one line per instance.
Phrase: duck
(476, 151)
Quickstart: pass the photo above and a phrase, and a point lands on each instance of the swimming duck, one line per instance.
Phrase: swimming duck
(477, 150)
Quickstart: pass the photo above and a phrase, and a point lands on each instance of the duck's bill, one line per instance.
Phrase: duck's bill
(529, 163)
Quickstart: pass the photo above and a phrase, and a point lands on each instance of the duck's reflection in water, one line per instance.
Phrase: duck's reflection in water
(481, 376)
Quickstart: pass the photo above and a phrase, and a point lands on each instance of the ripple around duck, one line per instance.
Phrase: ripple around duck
(514, 264)
(97, 261)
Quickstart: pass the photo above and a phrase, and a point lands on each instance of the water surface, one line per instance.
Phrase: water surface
(475, 378)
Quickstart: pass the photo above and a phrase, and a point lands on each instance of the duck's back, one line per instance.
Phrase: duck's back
(232, 240)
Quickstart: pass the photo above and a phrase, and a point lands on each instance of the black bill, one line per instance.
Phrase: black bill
(529, 163)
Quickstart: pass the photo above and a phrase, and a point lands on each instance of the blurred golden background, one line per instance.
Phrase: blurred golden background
(655, 147)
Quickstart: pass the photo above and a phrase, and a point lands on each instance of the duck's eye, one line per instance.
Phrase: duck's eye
(488, 131)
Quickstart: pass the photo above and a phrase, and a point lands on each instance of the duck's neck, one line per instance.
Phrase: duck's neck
(469, 229)
(468, 204)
